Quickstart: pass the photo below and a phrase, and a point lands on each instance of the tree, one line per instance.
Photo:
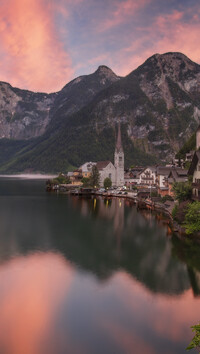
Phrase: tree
(61, 179)
(85, 181)
(107, 183)
(95, 177)
(182, 190)
(195, 343)
(192, 218)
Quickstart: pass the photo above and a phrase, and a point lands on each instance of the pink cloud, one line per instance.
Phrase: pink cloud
(122, 11)
(169, 33)
(32, 55)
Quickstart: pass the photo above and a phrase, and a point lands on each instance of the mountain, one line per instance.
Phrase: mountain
(157, 104)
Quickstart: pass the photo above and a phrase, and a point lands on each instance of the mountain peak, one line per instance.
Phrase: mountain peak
(105, 71)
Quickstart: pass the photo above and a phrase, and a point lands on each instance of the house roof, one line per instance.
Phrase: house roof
(163, 170)
(152, 168)
(102, 164)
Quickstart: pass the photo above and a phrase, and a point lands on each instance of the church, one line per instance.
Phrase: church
(114, 172)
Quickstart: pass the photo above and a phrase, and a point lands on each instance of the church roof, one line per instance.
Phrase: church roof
(102, 164)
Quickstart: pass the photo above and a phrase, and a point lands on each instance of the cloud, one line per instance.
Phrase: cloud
(122, 10)
(32, 55)
(167, 33)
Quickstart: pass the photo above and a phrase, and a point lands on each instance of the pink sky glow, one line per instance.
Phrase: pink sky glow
(45, 44)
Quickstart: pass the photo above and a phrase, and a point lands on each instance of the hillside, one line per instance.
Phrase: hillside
(157, 104)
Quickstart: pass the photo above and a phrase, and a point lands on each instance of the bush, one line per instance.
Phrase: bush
(192, 218)
(174, 211)
(107, 183)
(195, 343)
(167, 197)
(179, 212)
(182, 190)
(85, 181)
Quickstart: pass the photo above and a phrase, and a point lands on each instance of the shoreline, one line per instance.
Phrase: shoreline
(147, 204)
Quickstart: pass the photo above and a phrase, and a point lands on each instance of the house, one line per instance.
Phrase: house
(132, 177)
(177, 174)
(162, 173)
(86, 169)
(194, 171)
(147, 177)
(77, 177)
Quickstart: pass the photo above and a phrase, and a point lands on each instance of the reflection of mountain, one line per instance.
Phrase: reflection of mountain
(188, 252)
(99, 236)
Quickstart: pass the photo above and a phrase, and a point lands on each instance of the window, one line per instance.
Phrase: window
(110, 175)
(120, 158)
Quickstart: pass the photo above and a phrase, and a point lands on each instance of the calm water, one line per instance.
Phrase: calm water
(91, 276)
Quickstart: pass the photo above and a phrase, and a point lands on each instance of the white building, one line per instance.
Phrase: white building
(148, 176)
(106, 170)
(114, 172)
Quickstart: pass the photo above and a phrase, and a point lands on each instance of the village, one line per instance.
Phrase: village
(143, 182)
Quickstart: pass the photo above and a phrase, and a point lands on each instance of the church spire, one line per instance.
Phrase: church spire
(119, 140)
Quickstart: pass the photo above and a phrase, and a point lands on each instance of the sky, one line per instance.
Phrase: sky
(47, 43)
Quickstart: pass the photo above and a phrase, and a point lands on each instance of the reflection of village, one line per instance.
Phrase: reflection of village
(121, 216)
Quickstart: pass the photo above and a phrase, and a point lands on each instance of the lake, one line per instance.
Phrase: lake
(91, 276)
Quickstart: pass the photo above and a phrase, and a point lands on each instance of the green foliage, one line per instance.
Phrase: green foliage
(107, 183)
(167, 197)
(181, 212)
(187, 147)
(174, 211)
(154, 193)
(192, 218)
(182, 190)
(61, 179)
(95, 177)
(195, 343)
(85, 181)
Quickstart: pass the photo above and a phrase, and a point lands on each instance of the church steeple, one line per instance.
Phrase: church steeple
(119, 159)
(118, 146)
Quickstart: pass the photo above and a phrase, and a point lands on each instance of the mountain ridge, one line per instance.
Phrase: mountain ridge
(157, 104)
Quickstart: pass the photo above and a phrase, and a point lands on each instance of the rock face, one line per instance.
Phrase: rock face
(157, 104)
(23, 114)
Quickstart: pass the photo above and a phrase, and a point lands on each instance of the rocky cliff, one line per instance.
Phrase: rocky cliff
(157, 104)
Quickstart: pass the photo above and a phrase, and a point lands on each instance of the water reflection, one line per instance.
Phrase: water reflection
(122, 238)
(49, 307)
(100, 236)
(31, 290)
(91, 276)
